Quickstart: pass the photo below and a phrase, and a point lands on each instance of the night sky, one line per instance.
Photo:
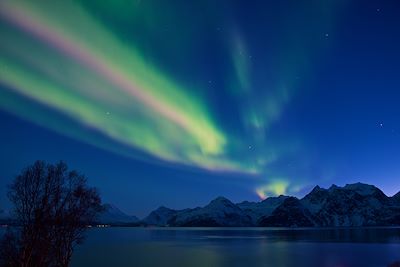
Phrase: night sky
(177, 102)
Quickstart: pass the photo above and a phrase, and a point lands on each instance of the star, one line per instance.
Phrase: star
(107, 113)
(381, 124)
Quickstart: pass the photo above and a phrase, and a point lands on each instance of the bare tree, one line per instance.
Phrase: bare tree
(54, 207)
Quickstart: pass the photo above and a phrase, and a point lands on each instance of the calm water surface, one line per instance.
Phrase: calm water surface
(268, 247)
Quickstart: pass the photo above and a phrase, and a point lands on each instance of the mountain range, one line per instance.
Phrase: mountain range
(351, 205)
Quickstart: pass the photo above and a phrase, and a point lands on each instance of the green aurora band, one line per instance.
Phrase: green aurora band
(101, 82)
(63, 69)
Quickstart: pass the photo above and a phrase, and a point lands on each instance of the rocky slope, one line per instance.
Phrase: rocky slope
(219, 212)
(396, 198)
(291, 213)
(352, 205)
(256, 210)
(160, 216)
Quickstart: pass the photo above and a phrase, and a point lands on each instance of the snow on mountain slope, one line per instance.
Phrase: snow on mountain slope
(160, 216)
(363, 189)
(351, 205)
(289, 214)
(256, 210)
(315, 200)
(219, 212)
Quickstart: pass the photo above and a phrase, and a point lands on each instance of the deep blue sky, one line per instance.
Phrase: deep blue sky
(267, 97)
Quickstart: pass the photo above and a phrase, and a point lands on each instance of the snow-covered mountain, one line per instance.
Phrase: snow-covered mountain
(113, 215)
(351, 205)
(160, 216)
(219, 212)
(256, 210)
(290, 213)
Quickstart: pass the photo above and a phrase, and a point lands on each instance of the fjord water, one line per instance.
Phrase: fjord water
(267, 247)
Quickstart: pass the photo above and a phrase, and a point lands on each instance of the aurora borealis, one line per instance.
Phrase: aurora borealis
(165, 106)
(248, 99)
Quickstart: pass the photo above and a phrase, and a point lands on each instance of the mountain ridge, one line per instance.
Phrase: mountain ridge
(355, 204)
(352, 205)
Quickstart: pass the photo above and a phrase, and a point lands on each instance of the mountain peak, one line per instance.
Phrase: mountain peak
(317, 194)
(221, 198)
(273, 199)
(361, 188)
(160, 216)
(220, 201)
(163, 208)
(355, 204)
(332, 187)
(358, 184)
(112, 214)
(110, 208)
(317, 188)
